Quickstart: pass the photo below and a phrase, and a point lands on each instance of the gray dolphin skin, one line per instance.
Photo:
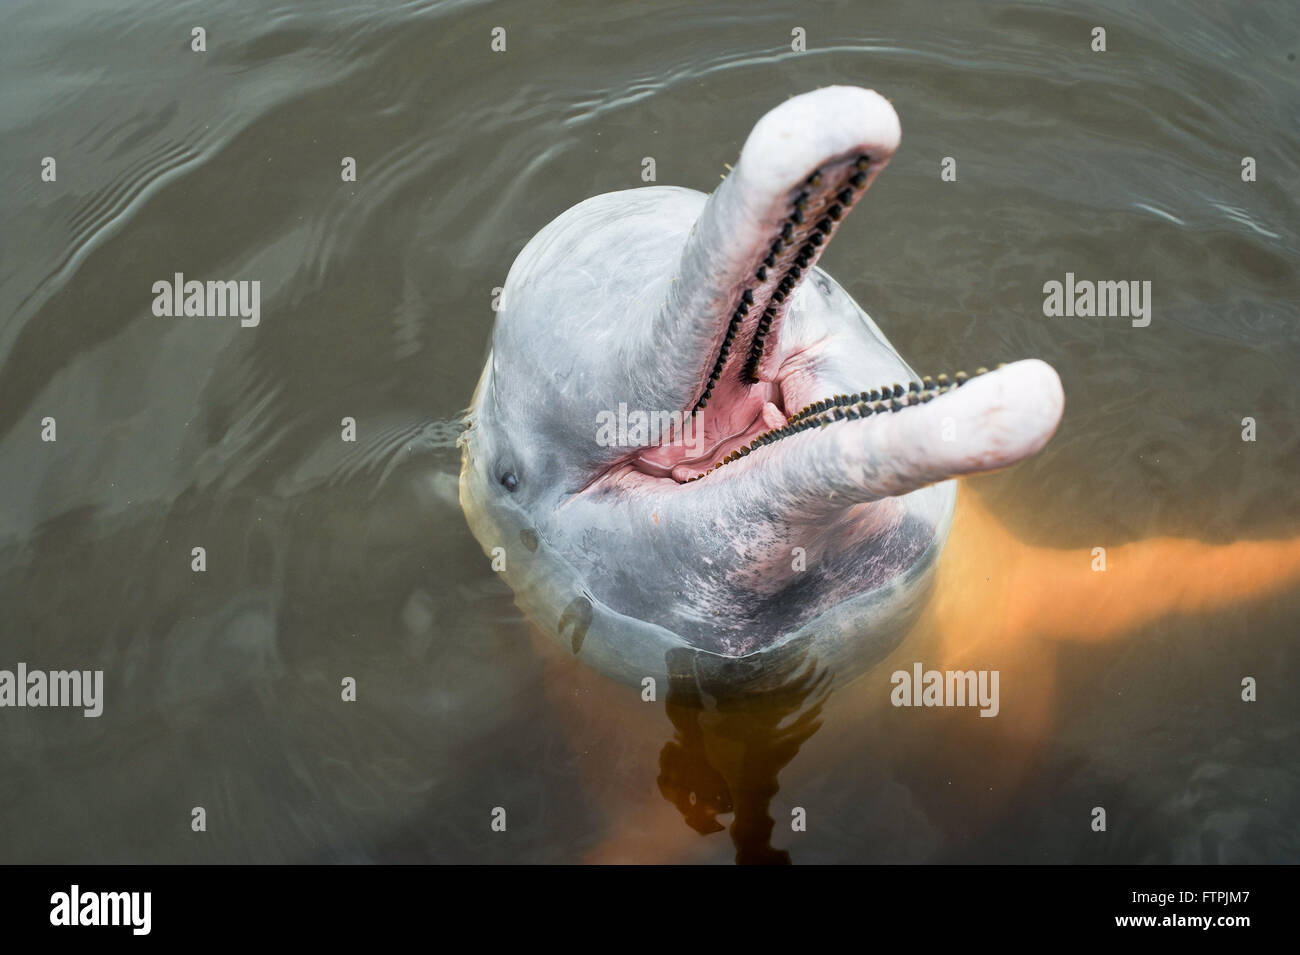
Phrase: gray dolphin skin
(691, 448)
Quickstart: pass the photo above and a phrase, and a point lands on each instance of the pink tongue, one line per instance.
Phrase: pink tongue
(735, 414)
(682, 473)
(769, 417)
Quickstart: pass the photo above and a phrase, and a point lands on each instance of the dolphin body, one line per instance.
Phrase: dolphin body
(790, 505)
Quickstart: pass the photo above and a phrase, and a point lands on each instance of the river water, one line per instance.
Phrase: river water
(328, 560)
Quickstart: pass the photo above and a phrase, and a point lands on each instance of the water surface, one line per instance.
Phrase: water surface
(328, 560)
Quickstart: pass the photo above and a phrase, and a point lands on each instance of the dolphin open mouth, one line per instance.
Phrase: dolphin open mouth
(814, 399)
(741, 404)
(745, 369)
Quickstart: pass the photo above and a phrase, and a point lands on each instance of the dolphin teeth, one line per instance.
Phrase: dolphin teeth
(983, 371)
(806, 206)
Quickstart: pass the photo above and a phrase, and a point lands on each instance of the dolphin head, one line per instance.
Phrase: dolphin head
(689, 436)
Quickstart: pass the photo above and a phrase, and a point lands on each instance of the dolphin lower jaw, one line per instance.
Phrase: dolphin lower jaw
(857, 448)
(849, 450)
(851, 407)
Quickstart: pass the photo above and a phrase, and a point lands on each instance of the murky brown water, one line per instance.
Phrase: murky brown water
(328, 560)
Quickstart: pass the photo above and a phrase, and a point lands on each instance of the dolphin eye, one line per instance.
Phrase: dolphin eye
(509, 481)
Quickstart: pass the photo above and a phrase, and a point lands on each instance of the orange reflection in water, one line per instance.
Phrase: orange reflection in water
(997, 604)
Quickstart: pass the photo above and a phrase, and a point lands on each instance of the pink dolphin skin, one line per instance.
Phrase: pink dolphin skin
(799, 489)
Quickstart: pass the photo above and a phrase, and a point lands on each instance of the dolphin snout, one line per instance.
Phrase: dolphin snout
(808, 130)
